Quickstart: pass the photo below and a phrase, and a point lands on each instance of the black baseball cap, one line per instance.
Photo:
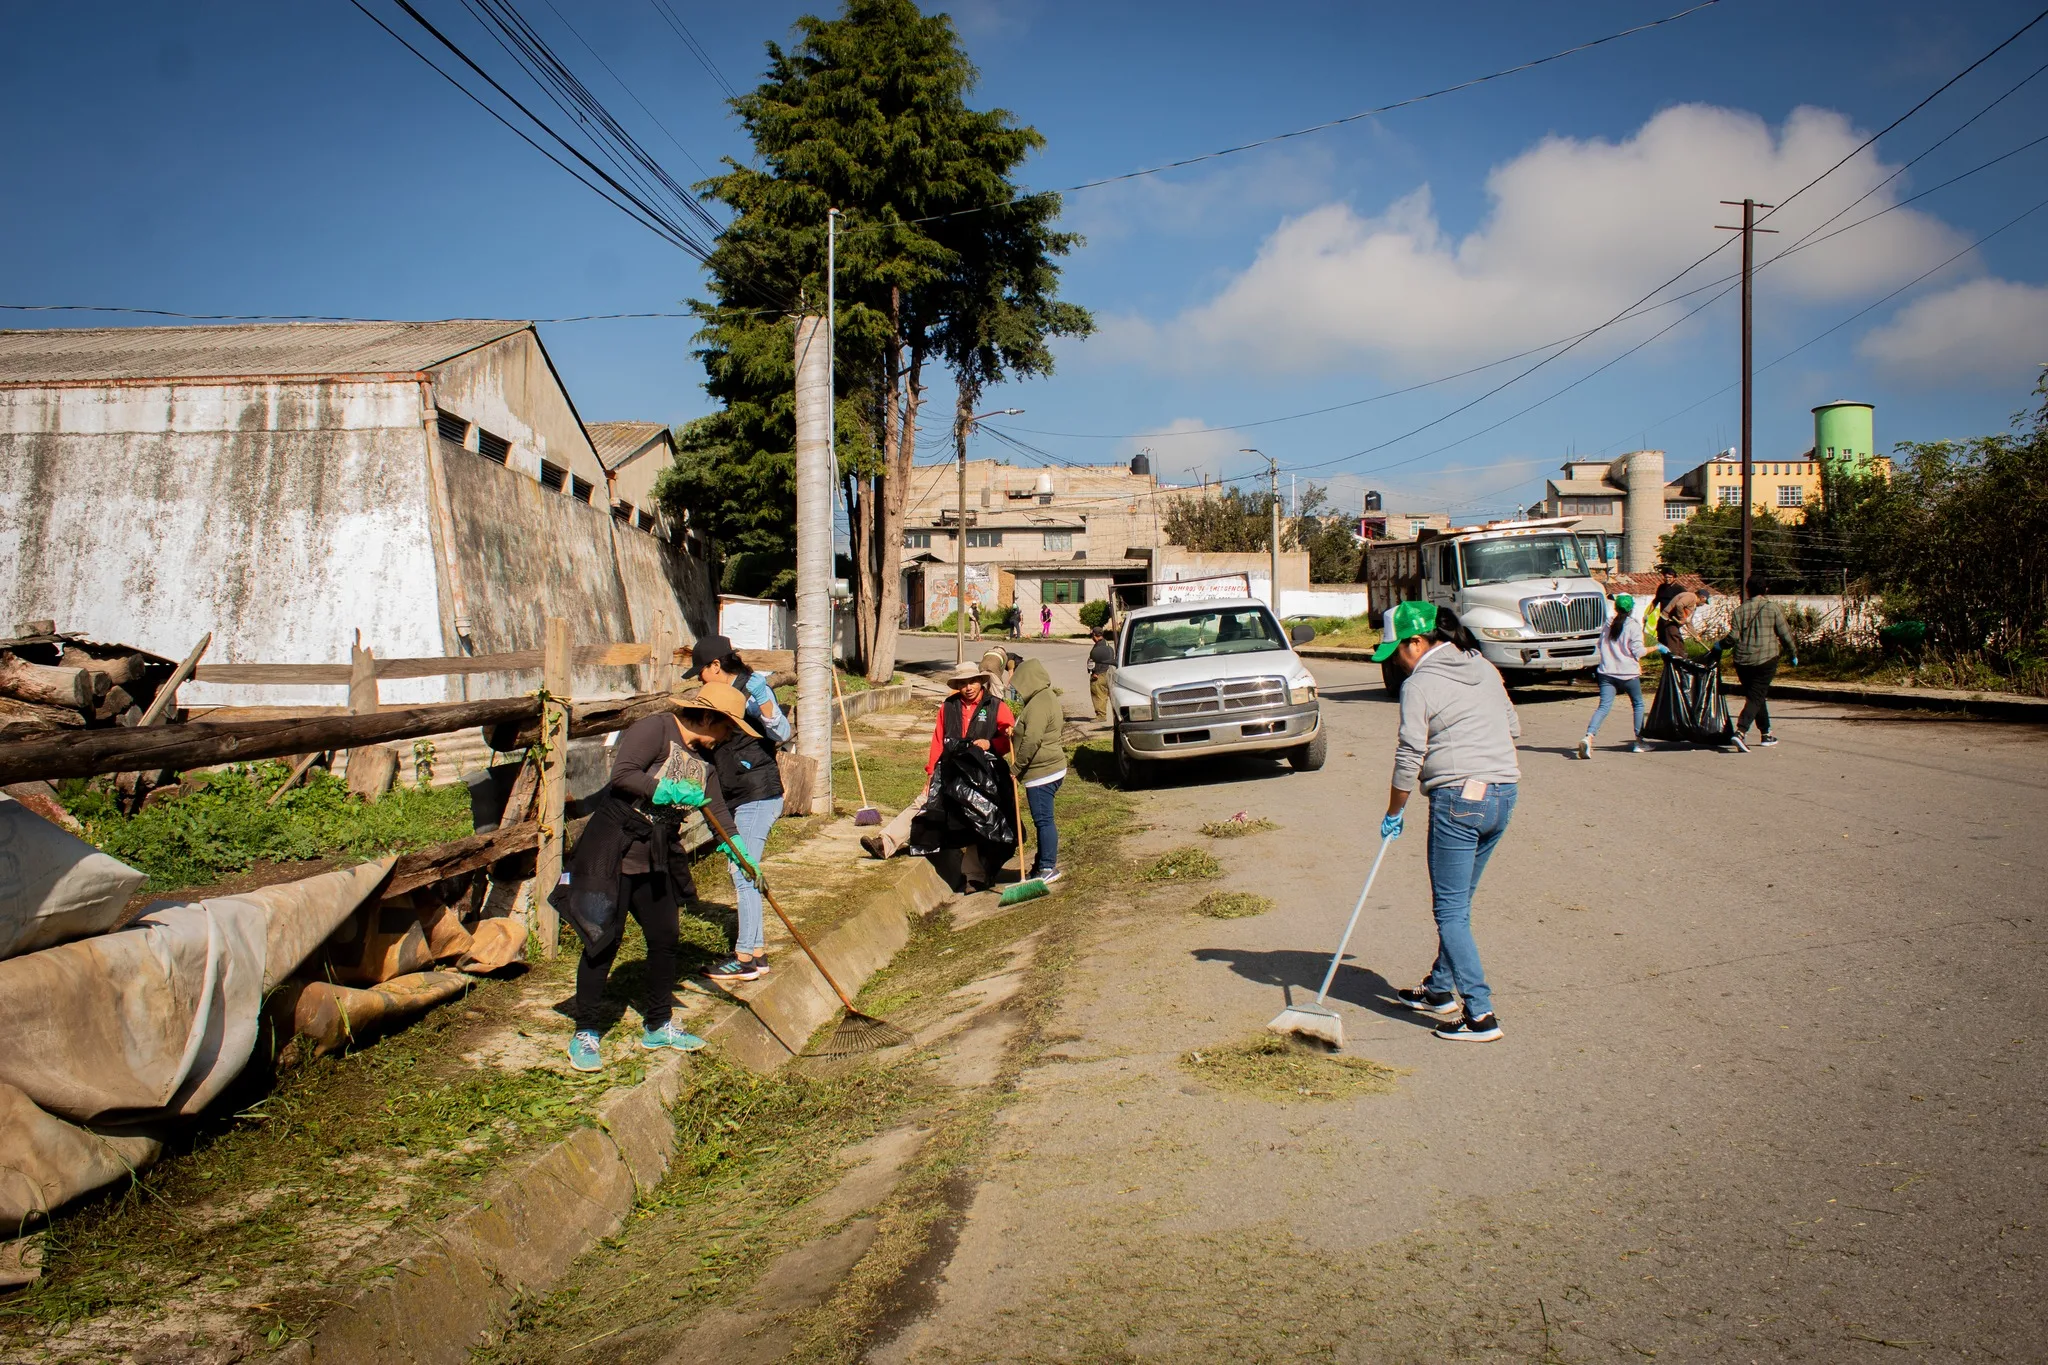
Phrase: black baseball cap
(708, 650)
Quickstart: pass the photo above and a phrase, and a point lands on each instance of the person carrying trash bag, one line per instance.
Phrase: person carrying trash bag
(970, 802)
(743, 794)
(1457, 744)
(1618, 669)
(630, 860)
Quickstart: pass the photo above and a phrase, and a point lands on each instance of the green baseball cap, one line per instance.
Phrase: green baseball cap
(1625, 602)
(1407, 620)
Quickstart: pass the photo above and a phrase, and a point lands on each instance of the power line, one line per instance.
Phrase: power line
(673, 139)
(696, 49)
(320, 317)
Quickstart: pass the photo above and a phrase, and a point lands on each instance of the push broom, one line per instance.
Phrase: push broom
(1318, 1020)
(857, 1032)
(867, 814)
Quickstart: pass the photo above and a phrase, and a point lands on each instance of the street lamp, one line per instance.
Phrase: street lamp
(1273, 475)
(960, 565)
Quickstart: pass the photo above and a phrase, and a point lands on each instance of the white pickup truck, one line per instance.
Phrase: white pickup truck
(1195, 679)
(1523, 588)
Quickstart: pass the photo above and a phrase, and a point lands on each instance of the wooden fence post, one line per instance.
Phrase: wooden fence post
(554, 738)
(661, 669)
(371, 768)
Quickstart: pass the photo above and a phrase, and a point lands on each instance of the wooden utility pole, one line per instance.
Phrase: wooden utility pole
(1749, 230)
(554, 773)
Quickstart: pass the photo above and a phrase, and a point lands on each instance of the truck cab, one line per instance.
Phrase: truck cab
(1524, 589)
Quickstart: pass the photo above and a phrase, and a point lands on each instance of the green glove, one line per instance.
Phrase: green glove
(671, 792)
(738, 854)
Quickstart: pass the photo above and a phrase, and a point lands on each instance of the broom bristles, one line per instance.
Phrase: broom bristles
(861, 1033)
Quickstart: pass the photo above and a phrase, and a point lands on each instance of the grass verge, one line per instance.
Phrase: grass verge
(1273, 1067)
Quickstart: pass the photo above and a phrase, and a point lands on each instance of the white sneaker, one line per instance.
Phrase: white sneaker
(1636, 747)
(1586, 747)
(1741, 745)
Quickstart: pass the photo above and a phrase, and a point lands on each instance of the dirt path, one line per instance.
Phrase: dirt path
(1772, 1086)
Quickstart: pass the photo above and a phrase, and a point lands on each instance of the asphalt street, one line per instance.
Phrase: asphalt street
(1772, 1084)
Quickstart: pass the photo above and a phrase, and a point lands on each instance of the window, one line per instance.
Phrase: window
(1447, 566)
(1791, 495)
(496, 448)
(1416, 528)
(623, 511)
(917, 540)
(580, 489)
(1516, 557)
(646, 521)
(452, 428)
(1062, 592)
(1728, 495)
(1674, 511)
(984, 540)
(552, 475)
(1059, 540)
(1198, 633)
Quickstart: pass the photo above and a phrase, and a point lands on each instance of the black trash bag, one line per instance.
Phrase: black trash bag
(1688, 708)
(975, 795)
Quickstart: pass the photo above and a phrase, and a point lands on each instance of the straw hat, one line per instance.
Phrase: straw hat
(722, 699)
(963, 674)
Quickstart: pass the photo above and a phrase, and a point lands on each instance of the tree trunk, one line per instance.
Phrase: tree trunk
(899, 443)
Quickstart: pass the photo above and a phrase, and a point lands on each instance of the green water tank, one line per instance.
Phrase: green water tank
(1842, 435)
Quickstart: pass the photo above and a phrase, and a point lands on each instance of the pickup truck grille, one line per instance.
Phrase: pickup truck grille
(1215, 699)
(1573, 615)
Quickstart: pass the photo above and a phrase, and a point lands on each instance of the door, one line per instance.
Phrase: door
(1440, 583)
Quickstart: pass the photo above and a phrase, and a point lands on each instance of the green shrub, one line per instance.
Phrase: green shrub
(1094, 614)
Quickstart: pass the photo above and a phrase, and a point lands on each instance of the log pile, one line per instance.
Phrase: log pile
(52, 683)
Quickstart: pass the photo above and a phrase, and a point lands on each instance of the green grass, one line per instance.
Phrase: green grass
(892, 769)
(1185, 864)
(1273, 1067)
(224, 825)
(1232, 905)
(1346, 632)
(1235, 828)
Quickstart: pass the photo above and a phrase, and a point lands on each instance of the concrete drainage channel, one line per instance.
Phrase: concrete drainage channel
(453, 1284)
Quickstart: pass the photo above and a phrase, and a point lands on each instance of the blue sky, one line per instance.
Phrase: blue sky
(244, 158)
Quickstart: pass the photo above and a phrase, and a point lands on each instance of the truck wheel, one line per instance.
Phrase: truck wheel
(1390, 678)
(1518, 677)
(1131, 772)
(1310, 756)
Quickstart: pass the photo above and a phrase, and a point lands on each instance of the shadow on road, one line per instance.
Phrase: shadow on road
(1298, 973)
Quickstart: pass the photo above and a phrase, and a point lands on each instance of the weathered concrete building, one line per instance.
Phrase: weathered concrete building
(429, 484)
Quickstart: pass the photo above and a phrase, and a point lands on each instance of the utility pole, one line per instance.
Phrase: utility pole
(960, 430)
(1273, 497)
(1749, 230)
(814, 555)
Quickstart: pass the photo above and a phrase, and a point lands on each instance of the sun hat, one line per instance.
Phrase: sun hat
(721, 699)
(963, 674)
(709, 650)
(1405, 621)
(1625, 602)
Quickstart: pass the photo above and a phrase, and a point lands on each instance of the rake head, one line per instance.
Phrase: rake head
(859, 1033)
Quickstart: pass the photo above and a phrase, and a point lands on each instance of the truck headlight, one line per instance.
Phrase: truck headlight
(1503, 632)
(1301, 690)
(1134, 708)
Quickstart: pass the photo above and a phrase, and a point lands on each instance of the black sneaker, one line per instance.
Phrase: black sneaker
(1484, 1029)
(1768, 739)
(1437, 1004)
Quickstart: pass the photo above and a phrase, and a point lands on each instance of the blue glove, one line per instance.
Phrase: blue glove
(1665, 650)
(737, 853)
(671, 792)
(1795, 661)
(1390, 827)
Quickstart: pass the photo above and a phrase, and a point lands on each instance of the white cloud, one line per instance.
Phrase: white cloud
(1187, 450)
(1577, 230)
(1989, 333)
(1229, 199)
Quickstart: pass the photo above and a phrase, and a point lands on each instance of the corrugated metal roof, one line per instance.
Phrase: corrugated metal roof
(616, 442)
(61, 355)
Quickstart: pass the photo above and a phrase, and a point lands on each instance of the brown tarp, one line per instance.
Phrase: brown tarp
(332, 1016)
(54, 886)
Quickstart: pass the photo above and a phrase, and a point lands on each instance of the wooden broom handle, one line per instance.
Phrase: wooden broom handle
(846, 723)
(761, 885)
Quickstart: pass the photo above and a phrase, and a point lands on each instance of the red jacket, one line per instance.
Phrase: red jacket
(998, 743)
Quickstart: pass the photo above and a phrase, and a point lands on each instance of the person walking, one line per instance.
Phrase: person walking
(1045, 621)
(1618, 669)
(974, 620)
(1758, 632)
(1101, 665)
(1040, 761)
(1457, 743)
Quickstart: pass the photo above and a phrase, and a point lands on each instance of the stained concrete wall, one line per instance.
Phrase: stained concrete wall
(279, 515)
(510, 389)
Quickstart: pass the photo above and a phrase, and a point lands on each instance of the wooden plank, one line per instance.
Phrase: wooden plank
(86, 753)
(594, 716)
(760, 660)
(459, 856)
(167, 695)
(624, 655)
(554, 779)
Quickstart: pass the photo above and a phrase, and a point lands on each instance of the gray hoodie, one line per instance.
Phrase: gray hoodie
(1456, 723)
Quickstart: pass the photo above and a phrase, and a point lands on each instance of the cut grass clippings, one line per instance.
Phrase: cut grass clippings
(1278, 1068)
(1232, 905)
(1236, 827)
(1184, 864)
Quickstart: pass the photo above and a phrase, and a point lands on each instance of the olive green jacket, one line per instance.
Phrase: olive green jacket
(1035, 748)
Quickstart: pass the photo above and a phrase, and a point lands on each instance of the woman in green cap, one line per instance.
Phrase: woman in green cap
(1457, 743)
(1618, 668)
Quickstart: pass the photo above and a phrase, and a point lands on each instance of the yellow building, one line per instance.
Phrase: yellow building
(1783, 488)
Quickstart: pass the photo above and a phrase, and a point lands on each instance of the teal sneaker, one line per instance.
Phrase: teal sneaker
(583, 1051)
(668, 1035)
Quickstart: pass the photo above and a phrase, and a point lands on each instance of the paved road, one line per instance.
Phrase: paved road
(1772, 1086)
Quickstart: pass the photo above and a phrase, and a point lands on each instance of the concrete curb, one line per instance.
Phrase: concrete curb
(460, 1279)
(1990, 705)
(1334, 652)
(854, 705)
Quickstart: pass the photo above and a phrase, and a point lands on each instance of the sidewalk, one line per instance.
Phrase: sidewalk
(1990, 705)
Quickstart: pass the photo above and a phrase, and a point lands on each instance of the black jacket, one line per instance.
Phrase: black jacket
(742, 771)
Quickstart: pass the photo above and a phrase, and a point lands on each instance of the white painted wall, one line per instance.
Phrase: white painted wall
(1331, 600)
(755, 623)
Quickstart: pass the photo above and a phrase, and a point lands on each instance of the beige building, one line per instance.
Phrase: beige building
(1377, 525)
(633, 455)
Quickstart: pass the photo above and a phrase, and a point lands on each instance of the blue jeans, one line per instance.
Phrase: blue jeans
(750, 828)
(1609, 689)
(1040, 798)
(1461, 838)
